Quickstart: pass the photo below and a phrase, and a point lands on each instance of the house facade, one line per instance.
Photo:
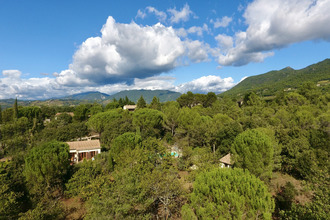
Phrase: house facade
(80, 150)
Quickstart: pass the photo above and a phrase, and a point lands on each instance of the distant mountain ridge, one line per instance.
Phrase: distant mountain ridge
(93, 96)
(134, 95)
(269, 83)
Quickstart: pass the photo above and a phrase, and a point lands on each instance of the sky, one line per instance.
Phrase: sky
(56, 48)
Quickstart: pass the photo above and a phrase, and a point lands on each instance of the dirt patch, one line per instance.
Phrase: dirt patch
(187, 185)
(74, 208)
(303, 196)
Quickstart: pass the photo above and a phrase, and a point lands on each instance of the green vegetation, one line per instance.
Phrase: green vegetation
(162, 161)
(286, 79)
(229, 194)
(253, 150)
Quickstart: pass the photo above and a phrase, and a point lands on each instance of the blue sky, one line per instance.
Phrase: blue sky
(55, 48)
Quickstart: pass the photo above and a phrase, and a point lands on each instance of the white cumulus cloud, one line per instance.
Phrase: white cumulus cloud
(277, 24)
(124, 52)
(178, 16)
(159, 14)
(223, 22)
(197, 51)
(207, 84)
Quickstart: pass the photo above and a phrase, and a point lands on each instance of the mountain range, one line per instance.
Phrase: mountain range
(133, 95)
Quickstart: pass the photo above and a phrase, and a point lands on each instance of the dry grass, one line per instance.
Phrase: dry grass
(303, 196)
(74, 208)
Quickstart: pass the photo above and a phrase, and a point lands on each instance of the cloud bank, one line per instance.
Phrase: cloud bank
(275, 24)
(124, 52)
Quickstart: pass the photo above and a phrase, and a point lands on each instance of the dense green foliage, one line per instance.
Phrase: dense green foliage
(46, 167)
(253, 150)
(230, 194)
(161, 161)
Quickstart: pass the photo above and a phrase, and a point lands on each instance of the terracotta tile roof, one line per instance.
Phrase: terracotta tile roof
(226, 159)
(84, 145)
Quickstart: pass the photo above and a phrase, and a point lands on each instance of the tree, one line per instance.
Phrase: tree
(187, 100)
(80, 113)
(171, 111)
(251, 99)
(141, 103)
(148, 121)
(96, 108)
(285, 196)
(155, 104)
(112, 105)
(0, 115)
(123, 143)
(253, 150)
(46, 167)
(164, 188)
(9, 198)
(210, 98)
(15, 115)
(229, 194)
(98, 122)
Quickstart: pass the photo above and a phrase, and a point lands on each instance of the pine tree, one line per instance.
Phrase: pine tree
(141, 103)
(0, 115)
(155, 104)
(229, 193)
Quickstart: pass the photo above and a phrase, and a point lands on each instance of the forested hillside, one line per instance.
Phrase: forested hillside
(286, 79)
(93, 96)
(134, 95)
(162, 161)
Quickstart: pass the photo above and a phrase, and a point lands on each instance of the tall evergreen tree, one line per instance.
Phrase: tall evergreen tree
(15, 115)
(141, 103)
(155, 104)
(0, 115)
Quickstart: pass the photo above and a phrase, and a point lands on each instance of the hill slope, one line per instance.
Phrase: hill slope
(87, 96)
(134, 95)
(285, 79)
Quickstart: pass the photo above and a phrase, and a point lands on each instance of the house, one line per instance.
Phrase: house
(80, 150)
(226, 161)
(60, 113)
(129, 107)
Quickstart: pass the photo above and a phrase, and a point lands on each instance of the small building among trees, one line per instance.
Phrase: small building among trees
(226, 161)
(129, 107)
(80, 150)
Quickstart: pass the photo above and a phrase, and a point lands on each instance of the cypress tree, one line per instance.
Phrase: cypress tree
(15, 116)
